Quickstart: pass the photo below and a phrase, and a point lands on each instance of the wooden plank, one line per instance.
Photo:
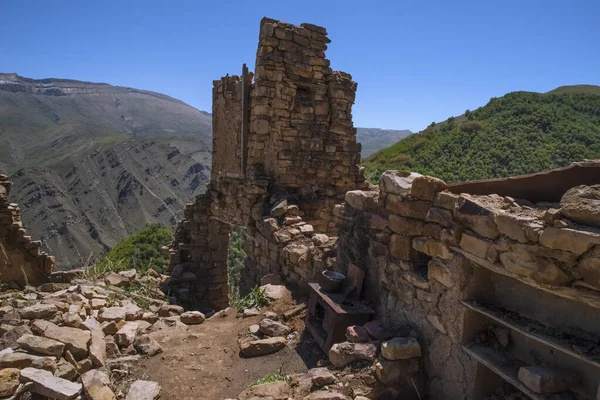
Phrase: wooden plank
(508, 369)
(538, 336)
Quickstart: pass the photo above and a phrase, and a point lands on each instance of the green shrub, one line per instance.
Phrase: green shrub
(255, 299)
(279, 376)
(140, 251)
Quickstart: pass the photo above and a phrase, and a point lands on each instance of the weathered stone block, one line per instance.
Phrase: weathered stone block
(399, 205)
(540, 269)
(445, 200)
(575, 241)
(405, 226)
(582, 204)
(589, 268)
(476, 217)
(426, 187)
(400, 247)
(475, 245)
(541, 379)
(362, 199)
(513, 226)
(397, 182)
(438, 271)
(440, 216)
(401, 348)
(431, 247)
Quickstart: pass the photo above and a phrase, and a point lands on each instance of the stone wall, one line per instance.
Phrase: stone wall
(441, 263)
(227, 123)
(21, 262)
(302, 158)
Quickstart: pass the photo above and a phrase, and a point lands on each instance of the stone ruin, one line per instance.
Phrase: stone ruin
(21, 262)
(487, 283)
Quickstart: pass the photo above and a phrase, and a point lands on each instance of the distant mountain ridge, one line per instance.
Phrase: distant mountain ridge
(518, 133)
(92, 162)
(374, 139)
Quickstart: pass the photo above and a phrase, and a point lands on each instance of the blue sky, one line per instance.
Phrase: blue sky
(415, 61)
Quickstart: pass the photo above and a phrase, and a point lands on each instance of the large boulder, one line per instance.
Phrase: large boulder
(582, 204)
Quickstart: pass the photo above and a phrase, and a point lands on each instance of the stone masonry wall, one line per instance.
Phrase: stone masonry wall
(302, 158)
(21, 262)
(227, 121)
(426, 251)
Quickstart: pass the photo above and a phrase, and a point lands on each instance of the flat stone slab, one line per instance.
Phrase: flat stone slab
(46, 384)
(41, 345)
(143, 390)
(262, 347)
(38, 311)
(547, 379)
(401, 348)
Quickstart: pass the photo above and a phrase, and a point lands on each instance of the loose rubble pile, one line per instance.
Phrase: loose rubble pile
(370, 364)
(68, 340)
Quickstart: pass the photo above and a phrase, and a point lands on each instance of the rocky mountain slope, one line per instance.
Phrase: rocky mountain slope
(519, 133)
(92, 163)
(375, 139)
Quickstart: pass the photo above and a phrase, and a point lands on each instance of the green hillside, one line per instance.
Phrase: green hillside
(519, 133)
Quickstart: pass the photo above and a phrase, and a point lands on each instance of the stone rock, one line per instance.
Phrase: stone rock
(321, 377)
(261, 347)
(513, 226)
(362, 199)
(582, 205)
(376, 330)
(150, 317)
(147, 346)
(251, 312)
(405, 226)
(440, 216)
(109, 328)
(46, 384)
(112, 350)
(254, 329)
(357, 334)
(170, 310)
(475, 245)
(326, 395)
(575, 241)
(279, 208)
(401, 348)
(91, 324)
(132, 311)
(400, 247)
(589, 268)
(116, 280)
(129, 274)
(342, 354)
(445, 200)
(397, 182)
(192, 318)
(109, 314)
(126, 335)
(320, 239)
(24, 360)
(416, 209)
(270, 279)
(278, 390)
(431, 247)
(547, 379)
(96, 385)
(502, 336)
(9, 381)
(476, 217)
(97, 351)
(438, 271)
(41, 345)
(540, 269)
(143, 390)
(38, 311)
(273, 328)
(436, 322)
(396, 372)
(272, 315)
(76, 340)
(426, 187)
(276, 292)
(65, 370)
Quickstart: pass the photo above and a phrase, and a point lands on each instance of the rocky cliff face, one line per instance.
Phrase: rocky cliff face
(92, 163)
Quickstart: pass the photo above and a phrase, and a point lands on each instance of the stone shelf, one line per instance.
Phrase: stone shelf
(523, 330)
(508, 369)
(589, 297)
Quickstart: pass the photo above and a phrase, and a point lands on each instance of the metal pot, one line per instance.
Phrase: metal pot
(332, 282)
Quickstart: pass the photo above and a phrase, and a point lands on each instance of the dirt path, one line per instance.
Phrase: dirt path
(203, 362)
